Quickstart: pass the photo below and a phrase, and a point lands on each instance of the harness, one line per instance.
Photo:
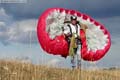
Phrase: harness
(71, 29)
(77, 39)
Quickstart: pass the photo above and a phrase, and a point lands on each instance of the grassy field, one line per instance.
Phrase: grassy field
(14, 70)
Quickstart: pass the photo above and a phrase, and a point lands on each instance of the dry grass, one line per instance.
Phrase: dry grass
(14, 70)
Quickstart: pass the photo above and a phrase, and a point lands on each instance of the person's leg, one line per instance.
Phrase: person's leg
(73, 62)
(75, 50)
(78, 54)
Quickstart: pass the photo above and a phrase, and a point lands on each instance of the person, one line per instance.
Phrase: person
(72, 36)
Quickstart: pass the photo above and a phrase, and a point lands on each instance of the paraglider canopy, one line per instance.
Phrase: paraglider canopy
(95, 40)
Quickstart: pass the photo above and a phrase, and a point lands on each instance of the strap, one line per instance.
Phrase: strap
(63, 29)
(70, 29)
(76, 29)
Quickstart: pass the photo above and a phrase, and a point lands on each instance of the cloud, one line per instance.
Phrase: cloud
(94, 5)
(112, 58)
(24, 11)
(4, 17)
(19, 32)
(112, 24)
(3, 13)
(23, 31)
(3, 35)
(2, 28)
(12, 31)
(95, 8)
(53, 62)
(58, 62)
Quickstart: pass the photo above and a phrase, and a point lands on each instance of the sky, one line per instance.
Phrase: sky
(18, 23)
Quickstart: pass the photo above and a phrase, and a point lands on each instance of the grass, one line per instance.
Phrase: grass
(15, 70)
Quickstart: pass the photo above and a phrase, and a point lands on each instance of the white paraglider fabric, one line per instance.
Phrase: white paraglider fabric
(55, 22)
(95, 37)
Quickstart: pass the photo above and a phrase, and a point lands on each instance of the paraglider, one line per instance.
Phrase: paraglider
(95, 39)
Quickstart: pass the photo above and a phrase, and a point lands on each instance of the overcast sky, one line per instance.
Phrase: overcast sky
(18, 24)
